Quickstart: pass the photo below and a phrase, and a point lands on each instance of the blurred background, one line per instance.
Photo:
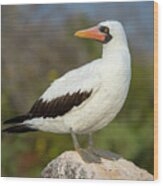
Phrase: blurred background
(38, 46)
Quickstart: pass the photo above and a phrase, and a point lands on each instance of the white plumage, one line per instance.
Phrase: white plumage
(107, 79)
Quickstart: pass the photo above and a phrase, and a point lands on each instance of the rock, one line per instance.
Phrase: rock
(70, 165)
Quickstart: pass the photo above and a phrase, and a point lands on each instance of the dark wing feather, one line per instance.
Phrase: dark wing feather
(56, 107)
(17, 119)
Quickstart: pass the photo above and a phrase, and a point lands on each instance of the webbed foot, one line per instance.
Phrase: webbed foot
(104, 154)
(88, 156)
(101, 153)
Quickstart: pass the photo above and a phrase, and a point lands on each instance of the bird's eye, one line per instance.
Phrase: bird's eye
(104, 29)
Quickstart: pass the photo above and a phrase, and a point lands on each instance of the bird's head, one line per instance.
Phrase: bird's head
(103, 32)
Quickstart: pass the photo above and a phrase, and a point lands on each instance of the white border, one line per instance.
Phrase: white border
(51, 182)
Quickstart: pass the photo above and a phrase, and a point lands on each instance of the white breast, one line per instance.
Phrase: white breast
(107, 101)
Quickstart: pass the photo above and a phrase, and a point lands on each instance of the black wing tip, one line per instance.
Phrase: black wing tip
(17, 119)
(19, 129)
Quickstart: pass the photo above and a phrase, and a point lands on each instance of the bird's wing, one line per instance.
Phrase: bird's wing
(67, 92)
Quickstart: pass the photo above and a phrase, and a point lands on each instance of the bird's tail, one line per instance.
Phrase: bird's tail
(18, 126)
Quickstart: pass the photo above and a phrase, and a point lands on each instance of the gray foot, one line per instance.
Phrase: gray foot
(88, 156)
(104, 154)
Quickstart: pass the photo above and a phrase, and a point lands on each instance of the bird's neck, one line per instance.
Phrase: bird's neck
(116, 45)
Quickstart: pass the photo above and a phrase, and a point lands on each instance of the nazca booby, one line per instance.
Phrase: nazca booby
(85, 99)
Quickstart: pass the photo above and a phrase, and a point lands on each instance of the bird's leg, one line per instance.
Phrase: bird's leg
(90, 140)
(85, 154)
(75, 140)
(101, 153)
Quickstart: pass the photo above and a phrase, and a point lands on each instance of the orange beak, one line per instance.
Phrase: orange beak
(91, 33)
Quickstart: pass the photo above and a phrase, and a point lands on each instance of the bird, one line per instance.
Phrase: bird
(85, 99)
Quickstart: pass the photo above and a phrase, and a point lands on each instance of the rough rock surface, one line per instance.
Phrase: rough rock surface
(70, 165)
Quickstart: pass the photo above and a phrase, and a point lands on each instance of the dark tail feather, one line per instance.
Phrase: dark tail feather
(19, 129)
(18, 119)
